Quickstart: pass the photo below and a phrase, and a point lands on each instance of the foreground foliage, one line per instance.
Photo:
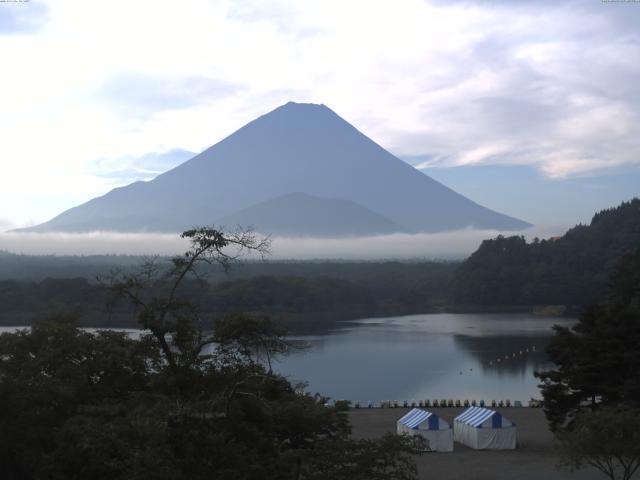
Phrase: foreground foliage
(607, 439)
(177, 403)
(597, 360)
(592, 397)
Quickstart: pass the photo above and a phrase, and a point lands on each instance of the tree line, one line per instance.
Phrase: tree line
(293, 299)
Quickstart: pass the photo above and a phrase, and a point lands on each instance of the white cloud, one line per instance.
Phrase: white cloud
(16, 20)
(543, 83)
(145, 167)
(5, 224)
(445, 245)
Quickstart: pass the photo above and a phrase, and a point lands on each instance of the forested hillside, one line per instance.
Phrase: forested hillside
(570, 270)
(293, 293)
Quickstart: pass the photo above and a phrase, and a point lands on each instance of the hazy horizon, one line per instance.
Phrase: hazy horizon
(444, 245)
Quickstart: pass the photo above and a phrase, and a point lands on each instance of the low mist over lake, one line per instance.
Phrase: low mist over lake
(455, 244)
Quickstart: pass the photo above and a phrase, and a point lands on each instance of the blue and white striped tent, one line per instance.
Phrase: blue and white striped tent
(437, 431)
(484, 429)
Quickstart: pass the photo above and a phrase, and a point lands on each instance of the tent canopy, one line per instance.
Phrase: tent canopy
(479, 417)
(437, 432)
(417, 418)
(484, 429)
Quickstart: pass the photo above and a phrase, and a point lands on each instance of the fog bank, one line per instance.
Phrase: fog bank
(456, 244)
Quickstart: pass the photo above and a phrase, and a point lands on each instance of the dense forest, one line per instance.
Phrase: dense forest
(571, 270)
(38, 267)
(296, 294)
(504, 274)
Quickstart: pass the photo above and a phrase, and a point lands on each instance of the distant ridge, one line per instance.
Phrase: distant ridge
(301, 214)
(296, 148)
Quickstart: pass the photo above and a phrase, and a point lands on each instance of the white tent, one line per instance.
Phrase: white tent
(437, 431)
(484, 429)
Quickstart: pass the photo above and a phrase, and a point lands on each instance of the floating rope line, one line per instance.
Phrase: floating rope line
(512, 356)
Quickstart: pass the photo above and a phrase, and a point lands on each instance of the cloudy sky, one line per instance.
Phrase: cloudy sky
(531, 107)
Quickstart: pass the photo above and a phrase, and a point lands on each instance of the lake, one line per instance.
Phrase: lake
(427, 356)
(424, 357)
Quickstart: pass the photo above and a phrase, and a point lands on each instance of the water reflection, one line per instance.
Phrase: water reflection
(424, 356)
(427, 356)
(506, 355)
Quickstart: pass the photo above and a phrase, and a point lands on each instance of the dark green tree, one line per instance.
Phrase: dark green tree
(570, 270)
(157, 293)
(48, 373)
(597, 360)
(387, 458)
(607, 439)
(178, 403)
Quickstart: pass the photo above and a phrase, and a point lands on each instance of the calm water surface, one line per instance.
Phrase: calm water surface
(427, 356)
(424, 356)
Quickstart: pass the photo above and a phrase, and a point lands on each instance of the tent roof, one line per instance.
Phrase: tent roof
(415, 417)
(475, 416)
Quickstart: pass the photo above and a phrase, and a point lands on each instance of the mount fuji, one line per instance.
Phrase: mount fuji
(299, 170)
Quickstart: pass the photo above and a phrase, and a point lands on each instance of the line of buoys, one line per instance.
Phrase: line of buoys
(509, 357)
(442, 403)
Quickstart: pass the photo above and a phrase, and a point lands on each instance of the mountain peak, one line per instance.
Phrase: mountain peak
(293, 122)
(292, 104)
(302, 109)
(298, 147)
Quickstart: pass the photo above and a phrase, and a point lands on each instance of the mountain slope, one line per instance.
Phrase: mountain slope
(568, 270)
(295, 148)
(299, 214)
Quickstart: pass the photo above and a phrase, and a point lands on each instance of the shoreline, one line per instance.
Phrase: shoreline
(535, 459)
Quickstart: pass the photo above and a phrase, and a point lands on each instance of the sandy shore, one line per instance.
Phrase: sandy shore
(535, 460)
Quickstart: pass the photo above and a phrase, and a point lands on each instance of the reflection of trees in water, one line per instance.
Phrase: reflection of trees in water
(490, 348)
